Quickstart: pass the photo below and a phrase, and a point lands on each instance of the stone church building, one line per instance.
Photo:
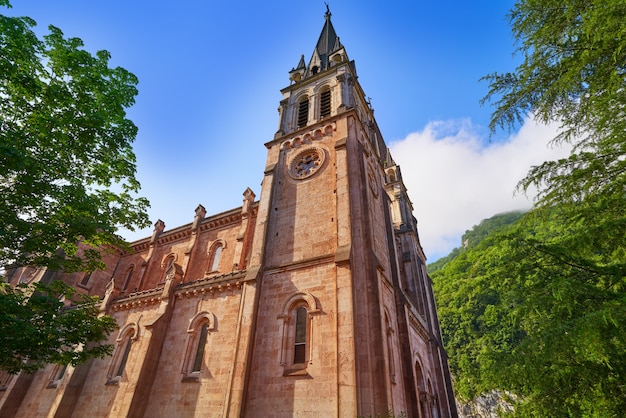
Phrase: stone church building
(311, 301)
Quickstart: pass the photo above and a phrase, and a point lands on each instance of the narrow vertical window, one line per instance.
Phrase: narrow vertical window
(197, 362)
(124, 358)
(299, 352)
(61, 372)
(168, 264)
(57, 375)
(120, 357)
(217, 254)
(303, 112)
(297, 333)
(85, 279)
(390, 361)
(325, 103)
(129, 274)
(198, 344)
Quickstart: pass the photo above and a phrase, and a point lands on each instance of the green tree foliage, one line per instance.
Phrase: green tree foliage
(67, 181)
(473, 236)
(539, 309)
(40, 327)
(67, 169)
(573, 73)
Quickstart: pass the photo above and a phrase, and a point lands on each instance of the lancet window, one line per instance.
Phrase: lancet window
(196, 355)
(303, 111)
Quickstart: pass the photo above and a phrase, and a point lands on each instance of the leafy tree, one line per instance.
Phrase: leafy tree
(40, 327)
(539, 310)
(573, 73)
(67, 169)
(67, 181)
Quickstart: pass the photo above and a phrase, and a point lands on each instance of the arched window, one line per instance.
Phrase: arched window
(215, 256)
(325, 103)
(297, 332)
(303, 111)
(120, 357)
(195, 355)
(58, 371)
(201, 344)
(299, 344)
(167, 265)
(119, 370)
(433, 401)
(128, 276)
(420, 389)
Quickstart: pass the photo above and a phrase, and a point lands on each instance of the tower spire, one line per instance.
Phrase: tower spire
(327, 52)
(327, 43)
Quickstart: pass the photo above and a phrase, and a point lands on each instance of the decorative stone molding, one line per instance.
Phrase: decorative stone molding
(216, 223)
(138, 299)
(417, 325)
(217, 288)
(175, 236)
(307, 162)
(309, 137)
(214, 284)
(310, 300)
(208, 315)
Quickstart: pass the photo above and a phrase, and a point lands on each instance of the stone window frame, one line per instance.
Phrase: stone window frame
(124, 343)
(388, 335)
(433, 399)
(287, 320)
(216, 252)
(84, 280)
(168, 261)
(313, 157)
(423, 388)
(326, 101)
(56, 376)
(127, 276)
(194, 338)
(303, 111)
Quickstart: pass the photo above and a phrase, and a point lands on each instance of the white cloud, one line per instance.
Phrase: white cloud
(456, 178)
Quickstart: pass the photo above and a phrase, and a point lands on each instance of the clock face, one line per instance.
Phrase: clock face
(306, 163)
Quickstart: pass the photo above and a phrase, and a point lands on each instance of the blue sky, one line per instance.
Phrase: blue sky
(209, 80)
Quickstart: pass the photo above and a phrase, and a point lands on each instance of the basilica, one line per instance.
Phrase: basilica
(309, 300)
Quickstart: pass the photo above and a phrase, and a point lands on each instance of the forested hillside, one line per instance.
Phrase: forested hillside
(535, 305)
(473, 236)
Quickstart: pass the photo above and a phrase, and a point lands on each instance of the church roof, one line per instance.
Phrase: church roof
(327, 43)
(328, 52)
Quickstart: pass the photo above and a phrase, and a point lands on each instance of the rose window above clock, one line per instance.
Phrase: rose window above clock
(306, 163)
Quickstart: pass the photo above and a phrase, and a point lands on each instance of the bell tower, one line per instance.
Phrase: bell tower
(345, 322)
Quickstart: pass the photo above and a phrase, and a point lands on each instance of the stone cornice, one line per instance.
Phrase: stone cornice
(417, 324)
(143, 298)
(219, 220)
(219, 283)
(309, 130)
